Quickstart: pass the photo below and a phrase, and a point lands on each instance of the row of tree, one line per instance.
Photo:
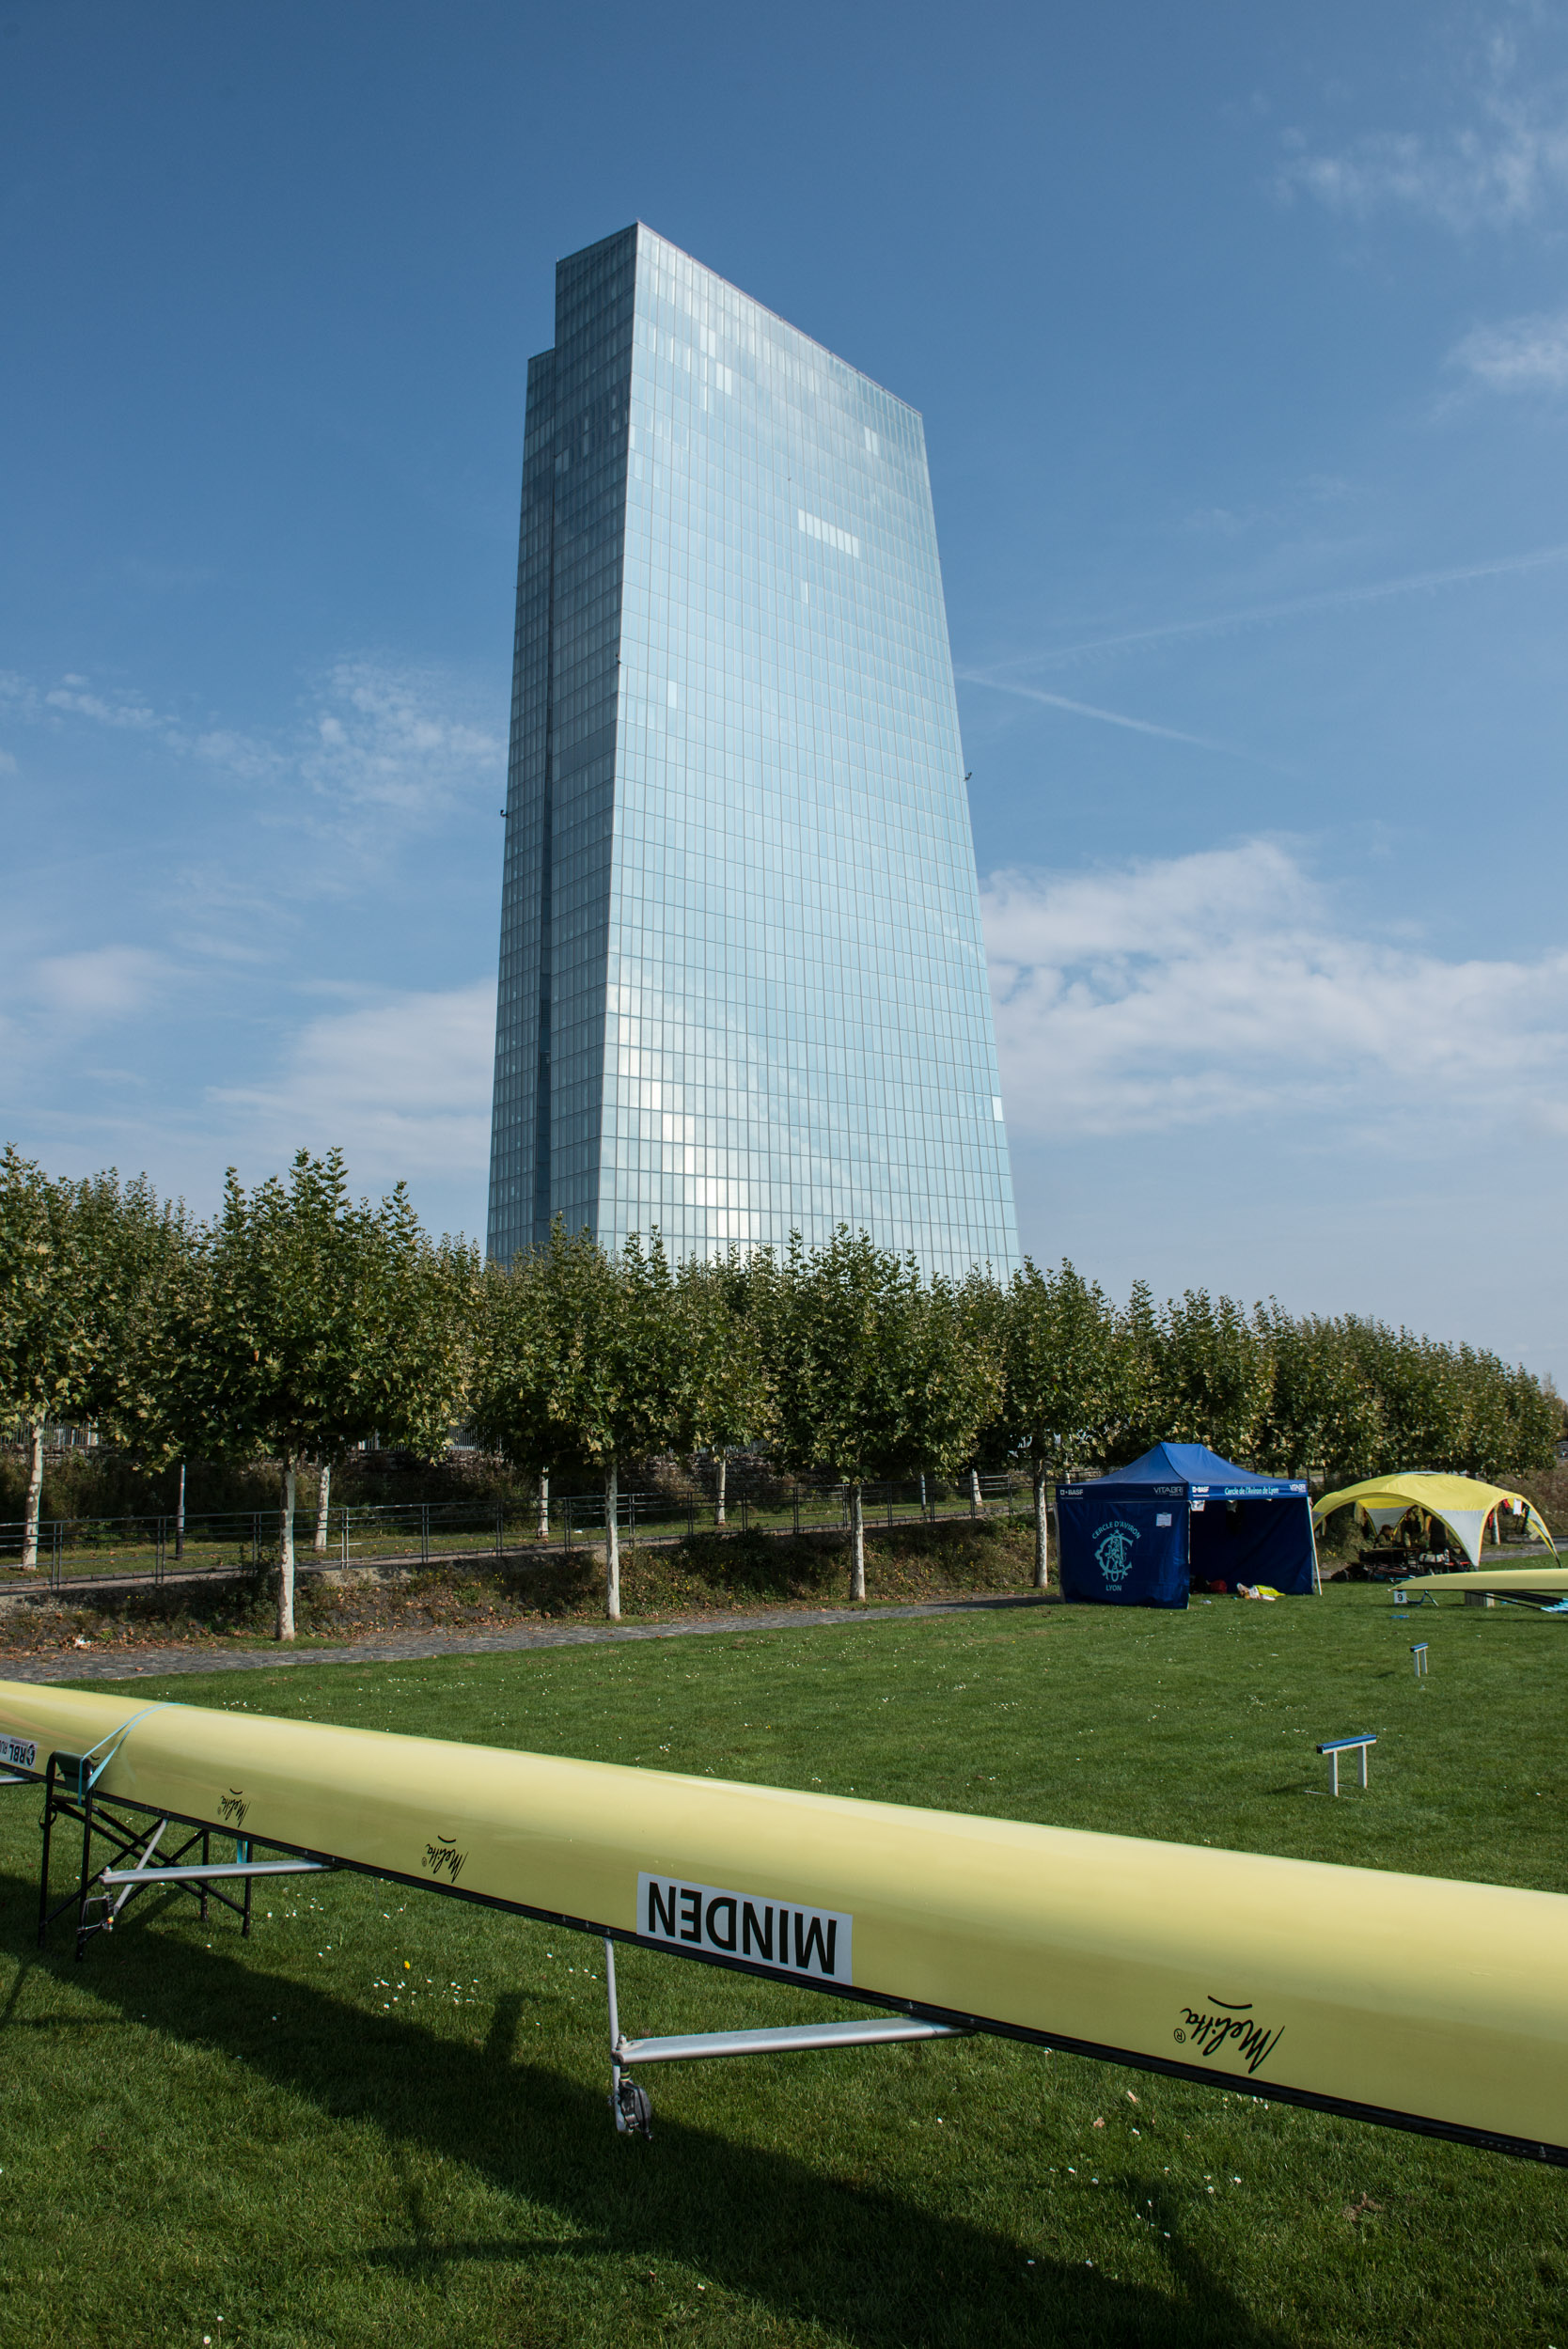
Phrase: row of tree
(298, 1323)
(292, 1327)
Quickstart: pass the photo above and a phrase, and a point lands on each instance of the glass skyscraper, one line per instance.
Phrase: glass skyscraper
(742, 989)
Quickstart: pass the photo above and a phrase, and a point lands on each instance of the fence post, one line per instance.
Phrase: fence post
(565, 1526)
(424, 1533)
(797, 1505)
(498, 1509)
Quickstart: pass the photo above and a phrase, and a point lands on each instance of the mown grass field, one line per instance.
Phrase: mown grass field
(383, 2121)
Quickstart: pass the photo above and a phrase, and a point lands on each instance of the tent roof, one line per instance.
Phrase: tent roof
(1196, 1466)
(1463, 1503)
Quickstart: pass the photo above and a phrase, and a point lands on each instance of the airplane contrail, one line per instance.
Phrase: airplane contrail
(1113, 717)
(1328, 599)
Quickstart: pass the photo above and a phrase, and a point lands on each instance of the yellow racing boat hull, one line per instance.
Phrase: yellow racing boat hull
(1431, 2004)
(1551, 1581)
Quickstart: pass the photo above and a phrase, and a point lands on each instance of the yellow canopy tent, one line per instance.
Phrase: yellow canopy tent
(1463, 1504)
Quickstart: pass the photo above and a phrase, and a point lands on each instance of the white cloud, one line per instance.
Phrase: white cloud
(384, 738)
(98, 983)
(1220, 986)
(50, 996)
(1522, 355)
(379, 749)
(52, 1003)
(106, 711)
(403, 1083)
(1504, 165)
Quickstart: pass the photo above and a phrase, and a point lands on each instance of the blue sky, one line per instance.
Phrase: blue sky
(1242, 342)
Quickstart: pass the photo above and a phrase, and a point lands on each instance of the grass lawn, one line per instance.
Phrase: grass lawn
(383, 2121)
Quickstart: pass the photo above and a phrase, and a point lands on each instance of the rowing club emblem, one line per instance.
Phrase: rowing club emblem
(1113, 1550)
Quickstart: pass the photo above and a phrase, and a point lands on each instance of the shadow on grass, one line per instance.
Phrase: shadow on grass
(867, 2264)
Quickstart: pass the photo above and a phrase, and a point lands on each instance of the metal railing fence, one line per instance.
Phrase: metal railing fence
(159, 1548)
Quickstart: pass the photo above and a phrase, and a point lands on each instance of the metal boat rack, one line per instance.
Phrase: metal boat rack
(133, 1834)
(629, 2101)
(101, 1893)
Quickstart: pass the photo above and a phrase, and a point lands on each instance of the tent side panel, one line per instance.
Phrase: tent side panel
(1254, 1542)
(1116, 1552)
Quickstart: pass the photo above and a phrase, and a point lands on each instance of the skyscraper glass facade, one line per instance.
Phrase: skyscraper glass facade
(742, 989)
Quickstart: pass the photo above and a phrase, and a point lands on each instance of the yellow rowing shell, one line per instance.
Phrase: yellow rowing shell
(1435, 2005)
(1500, 1579)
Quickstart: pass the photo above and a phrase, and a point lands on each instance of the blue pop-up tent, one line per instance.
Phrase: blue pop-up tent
(1182, 1518)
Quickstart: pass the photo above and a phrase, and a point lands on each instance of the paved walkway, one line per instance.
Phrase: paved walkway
(418, 1646)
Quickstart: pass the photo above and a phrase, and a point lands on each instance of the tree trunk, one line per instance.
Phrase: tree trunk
(35, 1496)
(977, 1498)
(857, 1543)
(612, 1544)
(324, 1507)
(542, 1525)
(286, 1552)
(1040, 1552)
(721, 1460)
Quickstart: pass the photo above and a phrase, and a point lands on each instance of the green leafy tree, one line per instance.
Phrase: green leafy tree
(869, 1373)
(49, 1340)
(315, 1323)
(1324, 1418)
(722, 1334)
(1065, 1363)
(524, 1328)
(595, 1366)
(982, 1304)
(956, 1374)
(1535, 1423)
(1138, 1334)
(1214, 1374)
(83, 1265)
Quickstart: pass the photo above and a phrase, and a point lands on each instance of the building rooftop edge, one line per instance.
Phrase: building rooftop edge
(836, 356)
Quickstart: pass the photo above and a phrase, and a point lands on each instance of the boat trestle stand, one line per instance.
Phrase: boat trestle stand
(137, 1859)
(628, 2099)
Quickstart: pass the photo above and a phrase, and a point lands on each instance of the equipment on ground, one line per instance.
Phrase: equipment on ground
(1278, 1978)
(1525, 1586)
(1335, 1747)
